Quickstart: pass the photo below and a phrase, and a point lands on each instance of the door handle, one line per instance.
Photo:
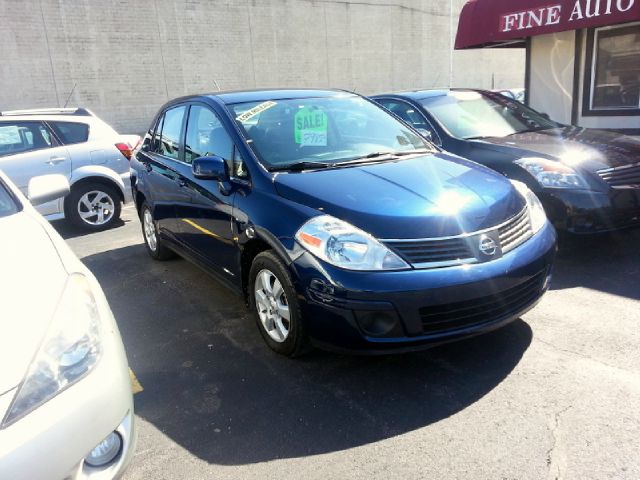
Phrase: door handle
(56, 160)
(182, 183)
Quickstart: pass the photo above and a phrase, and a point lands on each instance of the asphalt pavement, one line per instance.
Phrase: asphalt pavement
(555, 394)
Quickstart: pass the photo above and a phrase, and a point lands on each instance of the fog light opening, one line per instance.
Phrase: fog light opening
(106, 451)
(378, 323)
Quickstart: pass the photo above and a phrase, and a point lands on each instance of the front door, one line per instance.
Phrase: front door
(29, 149)
(206, 226)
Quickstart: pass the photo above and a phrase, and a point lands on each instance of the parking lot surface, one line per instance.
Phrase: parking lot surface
(553, 395)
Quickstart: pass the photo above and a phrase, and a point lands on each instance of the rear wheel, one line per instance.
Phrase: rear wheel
(274, 303)
(155, 246)
(93, 206)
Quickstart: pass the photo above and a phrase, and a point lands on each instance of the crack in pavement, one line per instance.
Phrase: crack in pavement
(552, 452)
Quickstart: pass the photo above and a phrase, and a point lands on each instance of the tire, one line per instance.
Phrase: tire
(93, 206)
(152, 241)
(268, 269)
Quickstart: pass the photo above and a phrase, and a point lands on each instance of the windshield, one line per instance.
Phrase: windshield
(467, 114)
(323, 131)
(7, 203)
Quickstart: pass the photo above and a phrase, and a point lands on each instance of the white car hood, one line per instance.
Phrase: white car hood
(32, 280)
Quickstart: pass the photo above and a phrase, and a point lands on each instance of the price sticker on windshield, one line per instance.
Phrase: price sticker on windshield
(310, 127)
(312, 138)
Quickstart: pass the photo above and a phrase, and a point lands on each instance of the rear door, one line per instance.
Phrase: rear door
(29, 149)
(161, 162)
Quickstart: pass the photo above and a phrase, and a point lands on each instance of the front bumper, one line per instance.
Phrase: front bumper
(430, 306)
(585, 212)
(52, 441)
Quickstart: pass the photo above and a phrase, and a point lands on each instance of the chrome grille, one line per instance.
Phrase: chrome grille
(516, 231)
(464, 248)
(621, 176)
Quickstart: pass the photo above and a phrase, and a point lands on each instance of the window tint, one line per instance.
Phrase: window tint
(170, 135)
(70, 132)
(156, 131)
(616, 83)
(23, 136)
(7, 204)
(206, 135)
(405, 112)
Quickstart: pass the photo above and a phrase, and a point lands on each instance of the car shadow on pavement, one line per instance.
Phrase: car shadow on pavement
(212, 386)
(607, 262)
(67, 230)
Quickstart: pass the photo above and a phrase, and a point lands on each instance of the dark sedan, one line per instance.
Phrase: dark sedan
(588, 180)
(338, 222)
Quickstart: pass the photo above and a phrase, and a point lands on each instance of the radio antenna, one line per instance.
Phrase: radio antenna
(71, 93)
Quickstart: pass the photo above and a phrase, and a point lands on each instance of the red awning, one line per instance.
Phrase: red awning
(506, 23)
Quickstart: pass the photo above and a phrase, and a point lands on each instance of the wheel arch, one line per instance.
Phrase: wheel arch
(100, 175)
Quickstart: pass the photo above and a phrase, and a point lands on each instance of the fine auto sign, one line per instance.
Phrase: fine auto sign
(554, 14)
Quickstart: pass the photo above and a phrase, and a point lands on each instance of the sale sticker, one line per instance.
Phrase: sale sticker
(255, 111)
(310, 127)
(312, 138)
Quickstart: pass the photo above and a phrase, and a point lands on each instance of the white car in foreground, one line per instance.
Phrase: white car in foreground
(66, 406)
(75, 143)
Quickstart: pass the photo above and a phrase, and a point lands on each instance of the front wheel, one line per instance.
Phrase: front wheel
(273, 301)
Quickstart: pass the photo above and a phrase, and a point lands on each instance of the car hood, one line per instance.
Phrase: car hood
(590, 148)
(33, 277)
(419, 197)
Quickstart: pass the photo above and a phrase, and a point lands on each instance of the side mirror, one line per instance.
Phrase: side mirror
(46, 188)
(545, 115)
(210, 168)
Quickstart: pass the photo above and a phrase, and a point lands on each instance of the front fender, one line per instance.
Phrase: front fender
(98, 171)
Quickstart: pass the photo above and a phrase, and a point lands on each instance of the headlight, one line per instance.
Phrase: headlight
(69, 350)
(537, 214)
(346, 246)
(552, 174)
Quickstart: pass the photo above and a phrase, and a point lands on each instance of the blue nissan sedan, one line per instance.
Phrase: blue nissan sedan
(340, 225)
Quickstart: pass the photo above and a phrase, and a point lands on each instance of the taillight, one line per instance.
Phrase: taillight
(125, 149)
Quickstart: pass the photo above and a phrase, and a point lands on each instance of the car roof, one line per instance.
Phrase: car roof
(426, 93)
(261, 95)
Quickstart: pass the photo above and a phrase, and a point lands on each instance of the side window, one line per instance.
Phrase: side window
(409, 114)
(70, 132)
(206, 135)
(156, 132)
(169, 141)
(21, 137)
(239, 168)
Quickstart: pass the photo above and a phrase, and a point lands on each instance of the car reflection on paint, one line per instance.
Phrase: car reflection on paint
(340, 225)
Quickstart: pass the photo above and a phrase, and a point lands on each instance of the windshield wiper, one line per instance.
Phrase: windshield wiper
(300, 166)
(371, 157)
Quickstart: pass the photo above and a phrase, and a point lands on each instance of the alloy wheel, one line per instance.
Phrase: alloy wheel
(149, 230)
(96, 208)
(272, 306)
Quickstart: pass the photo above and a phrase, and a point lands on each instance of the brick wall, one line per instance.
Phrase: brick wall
(127, 57)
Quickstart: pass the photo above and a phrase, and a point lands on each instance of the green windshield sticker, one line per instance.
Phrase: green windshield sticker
(310, 128)
(255, 111)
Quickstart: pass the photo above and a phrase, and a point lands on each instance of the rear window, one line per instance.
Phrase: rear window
(8, 205)
(70, 132)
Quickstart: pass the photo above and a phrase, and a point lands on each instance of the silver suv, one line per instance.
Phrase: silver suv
(77, 144)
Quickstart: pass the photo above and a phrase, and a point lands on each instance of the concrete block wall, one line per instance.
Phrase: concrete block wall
(125, 58)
